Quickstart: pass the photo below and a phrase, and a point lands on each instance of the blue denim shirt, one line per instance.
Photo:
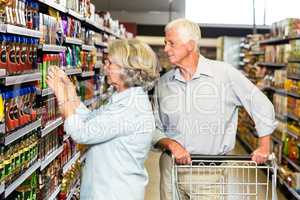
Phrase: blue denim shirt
(119, 135)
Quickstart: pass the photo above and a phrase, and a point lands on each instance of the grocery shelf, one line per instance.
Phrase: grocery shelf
(83, 157)
(75, 14)
(292, 163)
(73, 71)
(52, 48)
(257, 53)
(98, 65)
(278, 91)
(94, 26)
(50, 126)
(278, 141)
(54, 194)
(8, 28)
(101, 44)
(293, 117)
(296, 60)
(66, 137)
(2, 73)
(290, 189)
(87, 74)
(283, 40)
(21, 132)
(275, 41)
(2, 128)
(269, 64)
(71, 162)
(51, 157)
(294, 135)
(44, 92)
(54, 5)
(280, 117)
(21, 179)
(107, 30)
(76, 41)
(293, 94)
(248, 146)
(69, 197)
(2, 188)
(88, 47)
(293, 77)
(24, 78)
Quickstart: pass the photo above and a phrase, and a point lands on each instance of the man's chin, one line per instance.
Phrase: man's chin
(172, 61)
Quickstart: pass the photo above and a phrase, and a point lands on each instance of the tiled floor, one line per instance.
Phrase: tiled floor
(152, 190)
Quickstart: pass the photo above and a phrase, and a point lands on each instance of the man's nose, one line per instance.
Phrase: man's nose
(166, 49)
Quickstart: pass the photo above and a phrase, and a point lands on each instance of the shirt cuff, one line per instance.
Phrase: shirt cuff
(158, 135)
(266, 130)
(81, 109)
(71, 123)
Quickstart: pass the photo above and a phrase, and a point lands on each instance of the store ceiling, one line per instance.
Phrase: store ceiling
(140, 5)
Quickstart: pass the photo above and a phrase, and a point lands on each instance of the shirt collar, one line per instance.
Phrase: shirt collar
(126, 94)
(203, 68)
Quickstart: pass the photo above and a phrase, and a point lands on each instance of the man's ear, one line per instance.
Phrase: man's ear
(192, 45)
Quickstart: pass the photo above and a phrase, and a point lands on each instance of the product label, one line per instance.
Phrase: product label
(18, 55)
(3, 56)
(31, 53)
(12, 56)
(23, 55)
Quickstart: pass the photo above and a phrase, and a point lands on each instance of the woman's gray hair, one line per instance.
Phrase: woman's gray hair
(139, 63)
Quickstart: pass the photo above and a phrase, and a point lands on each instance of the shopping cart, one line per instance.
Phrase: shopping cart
(230, 177)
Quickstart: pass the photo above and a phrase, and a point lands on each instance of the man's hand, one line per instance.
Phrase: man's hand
(182, 156)
(260, 155)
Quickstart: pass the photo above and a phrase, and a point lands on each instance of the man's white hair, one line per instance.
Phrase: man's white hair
(186, 29)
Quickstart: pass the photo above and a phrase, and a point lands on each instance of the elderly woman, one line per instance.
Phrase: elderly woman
(119, 133)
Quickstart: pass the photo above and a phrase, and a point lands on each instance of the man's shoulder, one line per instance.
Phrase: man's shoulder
(218, 63)
(220, 68)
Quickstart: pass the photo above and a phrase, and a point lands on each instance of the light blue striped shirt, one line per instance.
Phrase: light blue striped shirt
(119, 135)
(202, 114)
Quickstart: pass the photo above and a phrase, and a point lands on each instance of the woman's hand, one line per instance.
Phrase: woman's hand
(58, 87)
(70, 87)
(64, 90)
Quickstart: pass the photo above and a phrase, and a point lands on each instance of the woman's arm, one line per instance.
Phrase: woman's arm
(109, 122)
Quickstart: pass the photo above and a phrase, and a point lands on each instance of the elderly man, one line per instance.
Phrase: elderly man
(196, 105)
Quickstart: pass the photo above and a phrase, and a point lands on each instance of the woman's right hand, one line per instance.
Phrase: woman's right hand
(61, 80)
(57, 86)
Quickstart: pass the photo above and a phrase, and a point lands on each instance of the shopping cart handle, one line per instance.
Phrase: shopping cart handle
(227, 157)
(220, 157)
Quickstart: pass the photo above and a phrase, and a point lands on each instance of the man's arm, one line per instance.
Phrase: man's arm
(161, 141)
(259, 108)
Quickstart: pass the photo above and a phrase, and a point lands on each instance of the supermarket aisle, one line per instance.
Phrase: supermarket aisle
(152, 190)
